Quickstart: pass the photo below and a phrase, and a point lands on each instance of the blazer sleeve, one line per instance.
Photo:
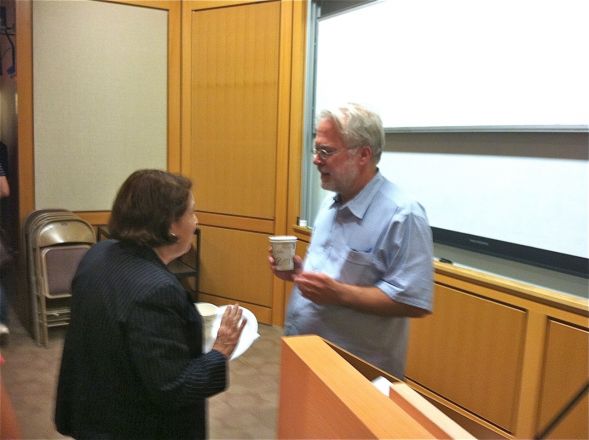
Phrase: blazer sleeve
(157, 332)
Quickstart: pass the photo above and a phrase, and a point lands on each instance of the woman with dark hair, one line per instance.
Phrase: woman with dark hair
(132, 364)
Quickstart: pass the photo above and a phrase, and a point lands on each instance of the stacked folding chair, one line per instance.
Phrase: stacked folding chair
(55, 241)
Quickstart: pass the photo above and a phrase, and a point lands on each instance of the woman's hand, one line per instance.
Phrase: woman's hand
(230, 329)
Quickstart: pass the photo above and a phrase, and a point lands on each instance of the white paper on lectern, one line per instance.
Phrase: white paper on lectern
(382, 385)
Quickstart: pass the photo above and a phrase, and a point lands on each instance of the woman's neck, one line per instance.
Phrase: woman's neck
(166, 253)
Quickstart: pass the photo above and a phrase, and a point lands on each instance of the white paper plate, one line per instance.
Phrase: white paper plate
(250, 331)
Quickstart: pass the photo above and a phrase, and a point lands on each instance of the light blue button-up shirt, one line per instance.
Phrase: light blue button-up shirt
(379, 238)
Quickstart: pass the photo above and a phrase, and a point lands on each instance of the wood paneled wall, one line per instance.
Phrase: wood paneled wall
(234, 123)
(239, 115)
(234, 95)
(506, 354)
(566, 363)
(235, 265)
(483, 328)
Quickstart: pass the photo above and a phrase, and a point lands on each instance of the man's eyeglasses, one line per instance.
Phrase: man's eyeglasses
(323, 152)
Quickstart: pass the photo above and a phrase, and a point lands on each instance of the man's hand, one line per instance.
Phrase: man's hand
(318, 287)
(322, 289)
(286, 275)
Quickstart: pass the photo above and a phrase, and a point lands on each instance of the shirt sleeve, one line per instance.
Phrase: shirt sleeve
(408, 276)
(161, 354)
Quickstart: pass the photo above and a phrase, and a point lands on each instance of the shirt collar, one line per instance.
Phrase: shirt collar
(360, 203)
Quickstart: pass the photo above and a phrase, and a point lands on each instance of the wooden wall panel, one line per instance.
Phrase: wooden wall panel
(470, 351)
(566, 370)
(262, 314)
(234, 265)
(234, 111)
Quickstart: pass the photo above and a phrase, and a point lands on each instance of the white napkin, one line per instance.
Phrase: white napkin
(248, 336)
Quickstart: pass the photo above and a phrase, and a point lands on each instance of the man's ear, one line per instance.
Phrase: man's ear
(365, 154)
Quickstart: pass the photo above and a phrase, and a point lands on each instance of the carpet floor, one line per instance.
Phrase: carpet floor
(247, 410)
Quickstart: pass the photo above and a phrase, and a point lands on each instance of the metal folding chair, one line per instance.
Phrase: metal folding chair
(56, 243)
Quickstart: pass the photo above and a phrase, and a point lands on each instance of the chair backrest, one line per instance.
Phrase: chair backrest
(58, 267)
(65, 231)
(52, 228)
(58, 247)
(34, 215)
(33, 222)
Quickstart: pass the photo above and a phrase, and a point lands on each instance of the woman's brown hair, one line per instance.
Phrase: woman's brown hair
(146, 205)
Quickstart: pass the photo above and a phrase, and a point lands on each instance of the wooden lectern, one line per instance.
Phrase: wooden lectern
(326, 392)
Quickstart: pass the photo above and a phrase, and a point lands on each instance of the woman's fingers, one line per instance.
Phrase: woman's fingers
(230, 329)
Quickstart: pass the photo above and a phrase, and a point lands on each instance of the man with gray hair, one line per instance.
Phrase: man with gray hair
(369, 265)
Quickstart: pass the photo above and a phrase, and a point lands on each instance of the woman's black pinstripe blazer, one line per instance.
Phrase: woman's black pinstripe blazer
(132, 364)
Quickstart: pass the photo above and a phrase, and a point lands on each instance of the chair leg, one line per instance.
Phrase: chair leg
(42, 322)
(37, 322)
(34, 310)
(45, 333)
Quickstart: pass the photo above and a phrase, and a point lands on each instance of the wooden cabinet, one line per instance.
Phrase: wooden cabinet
(508, 356)
(477, 340)
(235, 267)
(564, 373)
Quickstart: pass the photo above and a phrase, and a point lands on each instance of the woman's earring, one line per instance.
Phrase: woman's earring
(174, 236)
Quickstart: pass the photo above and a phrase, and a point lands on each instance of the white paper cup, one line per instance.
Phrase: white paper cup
(283, 251)
(208, 312)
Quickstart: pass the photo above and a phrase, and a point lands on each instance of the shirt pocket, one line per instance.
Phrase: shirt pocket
(359, 268)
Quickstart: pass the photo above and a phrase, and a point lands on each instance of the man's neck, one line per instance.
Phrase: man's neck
(361, 182)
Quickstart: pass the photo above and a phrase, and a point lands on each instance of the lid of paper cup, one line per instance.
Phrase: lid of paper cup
(279, 238)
